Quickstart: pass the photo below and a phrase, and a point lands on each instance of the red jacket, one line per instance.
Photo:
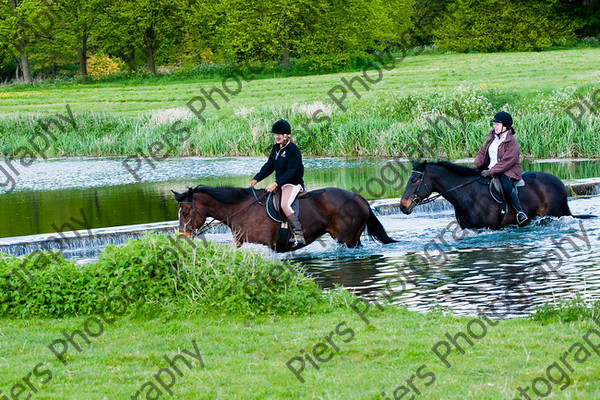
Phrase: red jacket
(508, 156)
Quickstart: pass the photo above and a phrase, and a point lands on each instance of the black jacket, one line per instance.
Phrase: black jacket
(287, 165)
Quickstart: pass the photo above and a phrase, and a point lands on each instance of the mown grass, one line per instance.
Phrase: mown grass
(208, 294)
(246, 358)
(120, 119)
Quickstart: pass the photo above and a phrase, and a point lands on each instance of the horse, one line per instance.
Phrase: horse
(543, 195)
(338, 212)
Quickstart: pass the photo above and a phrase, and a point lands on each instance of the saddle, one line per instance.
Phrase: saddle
(498, 194)
(273, 207)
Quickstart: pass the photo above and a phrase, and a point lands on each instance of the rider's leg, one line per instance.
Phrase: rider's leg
(288, 194)
(510, 192)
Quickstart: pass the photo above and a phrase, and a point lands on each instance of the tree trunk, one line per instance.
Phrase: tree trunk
(131, 59)
(24, 62)
(82, 53)
(150, 59)
(285, 56)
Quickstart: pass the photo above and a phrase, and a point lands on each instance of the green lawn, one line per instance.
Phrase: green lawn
(246, 358)
(421, 74)
(385, 118)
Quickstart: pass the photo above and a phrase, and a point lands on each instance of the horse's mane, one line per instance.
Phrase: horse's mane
(457, 169)
(229, 195)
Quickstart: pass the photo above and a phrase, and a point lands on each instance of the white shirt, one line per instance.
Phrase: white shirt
(493, 149)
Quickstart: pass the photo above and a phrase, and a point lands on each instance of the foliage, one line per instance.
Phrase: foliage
(203, 277)
(500, 25)
(101, 65)
(56, 37)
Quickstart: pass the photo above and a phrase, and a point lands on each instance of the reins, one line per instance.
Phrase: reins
(418, 200)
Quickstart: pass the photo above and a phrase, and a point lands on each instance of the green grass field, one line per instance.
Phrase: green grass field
(61, 339)
(246, 358)
(418, 75)
(118, 118)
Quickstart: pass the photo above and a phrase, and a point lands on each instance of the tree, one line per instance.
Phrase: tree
(77, 22)
(152, 23)
(17, 30)
(500, 25)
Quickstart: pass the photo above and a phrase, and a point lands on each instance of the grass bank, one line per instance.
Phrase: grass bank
(245, 358)
(387, 119)
(245, 319)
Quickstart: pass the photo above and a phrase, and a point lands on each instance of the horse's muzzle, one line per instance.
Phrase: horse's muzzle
(406, 206)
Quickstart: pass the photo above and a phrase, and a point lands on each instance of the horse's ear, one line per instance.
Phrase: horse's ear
(419, 166)
(179, 196)
(190, 194)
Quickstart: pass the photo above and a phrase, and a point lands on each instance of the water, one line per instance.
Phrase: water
(101, 192)
(432, 266)
(515, 269)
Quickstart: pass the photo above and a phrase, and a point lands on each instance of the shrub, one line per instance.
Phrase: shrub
(102, 65)
(201, 277)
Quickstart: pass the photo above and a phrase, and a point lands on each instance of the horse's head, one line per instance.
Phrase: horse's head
(418, 188)
(191, 213)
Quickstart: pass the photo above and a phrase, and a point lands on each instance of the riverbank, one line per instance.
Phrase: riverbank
(431, 105)
(243, 326)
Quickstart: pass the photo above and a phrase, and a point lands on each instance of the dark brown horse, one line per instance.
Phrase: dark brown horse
(543, 194)
(340, 213)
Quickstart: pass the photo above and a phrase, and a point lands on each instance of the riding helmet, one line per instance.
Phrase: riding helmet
(282, 127)
(504, 118)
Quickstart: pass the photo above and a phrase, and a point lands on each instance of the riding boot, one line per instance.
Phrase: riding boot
(516, 203)
(298, 239)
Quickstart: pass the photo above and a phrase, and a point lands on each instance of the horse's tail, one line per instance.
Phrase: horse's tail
(376, 230)
(567, 211)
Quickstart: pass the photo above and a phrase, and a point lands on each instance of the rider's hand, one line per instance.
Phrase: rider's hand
(271, 187)
(486, 173)
(253, 182)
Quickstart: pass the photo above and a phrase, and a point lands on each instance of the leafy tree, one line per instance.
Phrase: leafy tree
(499, 25)
(17, 31)
(152, 23)
(77, 22)
(585, 13)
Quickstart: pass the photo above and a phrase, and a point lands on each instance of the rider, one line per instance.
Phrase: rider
(286, 160)
(499, 156)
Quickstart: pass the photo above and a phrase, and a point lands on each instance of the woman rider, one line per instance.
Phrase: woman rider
(499, 156)
(286, 160)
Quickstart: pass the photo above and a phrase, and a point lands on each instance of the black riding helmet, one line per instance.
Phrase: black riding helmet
(282, 127)
(504, 118)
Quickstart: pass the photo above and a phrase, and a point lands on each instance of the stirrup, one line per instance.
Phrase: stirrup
(297, 242)
(521, 217)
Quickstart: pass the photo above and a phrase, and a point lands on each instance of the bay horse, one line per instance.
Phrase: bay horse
(543, 194)
(338, 212)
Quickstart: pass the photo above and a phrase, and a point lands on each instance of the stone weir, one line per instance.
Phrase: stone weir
(82, 244)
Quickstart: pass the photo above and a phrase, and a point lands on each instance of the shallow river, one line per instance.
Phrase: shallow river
(433, 265)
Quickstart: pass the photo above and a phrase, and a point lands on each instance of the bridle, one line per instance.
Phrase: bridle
(199, 231)
(190, 221)
(417, 200)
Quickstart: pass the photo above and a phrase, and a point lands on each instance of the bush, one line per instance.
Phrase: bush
(102, 65)
(201, 277)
